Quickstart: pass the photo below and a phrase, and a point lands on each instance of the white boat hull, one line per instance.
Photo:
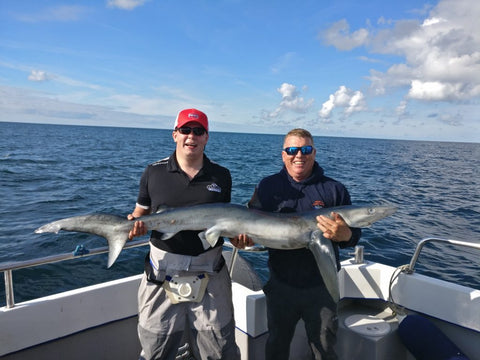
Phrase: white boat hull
(99, 321)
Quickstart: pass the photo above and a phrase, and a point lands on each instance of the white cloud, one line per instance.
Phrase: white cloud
(432, 21)
(451, 120)
(20, 105)
(401, 108)
(339, 36)
(291, 101)
(327, 107)
(433, 90)
(38, 75)
(441, 52)
(351, 101)
(125, 4)
(356, 103)
(41, 76)
(368, 59)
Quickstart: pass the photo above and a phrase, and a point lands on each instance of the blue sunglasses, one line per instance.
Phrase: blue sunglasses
(293, 150)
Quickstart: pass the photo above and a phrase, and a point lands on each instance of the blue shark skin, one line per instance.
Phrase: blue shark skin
(322, 250)
(273, 230)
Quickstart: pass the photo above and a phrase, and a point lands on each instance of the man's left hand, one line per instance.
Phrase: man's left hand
(241, 241)
(335, 229)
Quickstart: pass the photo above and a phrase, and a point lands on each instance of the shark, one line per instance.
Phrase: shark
(272, 230)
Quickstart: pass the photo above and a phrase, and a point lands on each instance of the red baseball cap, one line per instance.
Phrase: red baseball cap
(191, 115)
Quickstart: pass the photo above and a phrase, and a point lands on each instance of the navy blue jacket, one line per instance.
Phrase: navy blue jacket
(280, 193)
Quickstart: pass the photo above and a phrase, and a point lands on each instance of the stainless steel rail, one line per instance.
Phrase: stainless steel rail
(411, 267)
(8, 267)
(256, 248)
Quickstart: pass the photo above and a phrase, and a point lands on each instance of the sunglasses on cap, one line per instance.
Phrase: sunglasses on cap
(186, 130)
(293, 150)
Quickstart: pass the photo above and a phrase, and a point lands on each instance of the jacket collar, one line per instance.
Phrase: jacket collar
(317, 173)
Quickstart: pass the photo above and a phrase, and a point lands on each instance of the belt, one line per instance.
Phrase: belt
(160, 263)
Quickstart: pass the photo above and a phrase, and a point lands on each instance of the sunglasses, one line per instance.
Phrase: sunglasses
(186, 130)
(293, 150)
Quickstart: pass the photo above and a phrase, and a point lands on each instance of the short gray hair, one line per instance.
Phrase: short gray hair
(299, 133)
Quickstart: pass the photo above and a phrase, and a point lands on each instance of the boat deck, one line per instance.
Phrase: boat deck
(99, 321)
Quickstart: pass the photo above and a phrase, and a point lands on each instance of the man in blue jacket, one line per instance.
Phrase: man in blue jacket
(295, 289)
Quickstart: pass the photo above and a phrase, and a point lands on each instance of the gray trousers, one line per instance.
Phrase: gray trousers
(211, 324)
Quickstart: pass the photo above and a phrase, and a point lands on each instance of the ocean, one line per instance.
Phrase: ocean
(50, 172)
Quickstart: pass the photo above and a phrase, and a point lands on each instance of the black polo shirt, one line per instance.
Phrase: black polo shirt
(164, 184)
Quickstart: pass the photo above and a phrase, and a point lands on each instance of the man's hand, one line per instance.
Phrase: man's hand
(139, 228)
(241, 241)
(336, 229)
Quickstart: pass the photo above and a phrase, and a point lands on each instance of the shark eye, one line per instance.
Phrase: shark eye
(371, 211)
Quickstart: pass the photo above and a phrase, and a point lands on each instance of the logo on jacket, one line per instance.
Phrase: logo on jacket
(214, 187)
(318, 204)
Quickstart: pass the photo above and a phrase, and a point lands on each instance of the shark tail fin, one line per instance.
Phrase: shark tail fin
(116, 242)
(324, 254)
(113, 228)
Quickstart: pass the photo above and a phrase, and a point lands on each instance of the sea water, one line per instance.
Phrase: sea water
(50, 172)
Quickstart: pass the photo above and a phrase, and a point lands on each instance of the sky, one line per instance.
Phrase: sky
(372, 69)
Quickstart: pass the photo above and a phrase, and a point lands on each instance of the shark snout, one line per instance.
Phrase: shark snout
(388, 210)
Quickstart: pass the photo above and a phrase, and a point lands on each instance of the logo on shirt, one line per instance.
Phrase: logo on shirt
(318, 204)
(214, 187)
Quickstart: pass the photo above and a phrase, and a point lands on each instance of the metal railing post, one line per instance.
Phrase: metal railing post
(9, 289)
(232, 260)
(411, 267)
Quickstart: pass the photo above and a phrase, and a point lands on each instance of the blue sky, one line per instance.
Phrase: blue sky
(380, 69)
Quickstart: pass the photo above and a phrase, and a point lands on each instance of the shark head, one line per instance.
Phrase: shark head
(364, 216)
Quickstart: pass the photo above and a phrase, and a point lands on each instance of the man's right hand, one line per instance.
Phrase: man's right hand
(139, 228)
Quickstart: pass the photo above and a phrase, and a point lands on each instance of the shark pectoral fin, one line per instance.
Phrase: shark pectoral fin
(211, 235)
(324, 254)
(205, 242)
(166, 236)
(161, 209)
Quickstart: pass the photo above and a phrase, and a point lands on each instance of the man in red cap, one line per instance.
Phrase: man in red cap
(185, 288)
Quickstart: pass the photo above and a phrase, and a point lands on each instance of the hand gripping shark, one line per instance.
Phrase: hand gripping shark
(273, 230)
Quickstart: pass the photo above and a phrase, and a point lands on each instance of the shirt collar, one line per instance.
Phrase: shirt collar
(173, 166)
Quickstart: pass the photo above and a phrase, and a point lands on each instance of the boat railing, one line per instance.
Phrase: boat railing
(256, 248)
(8, 267)
(410, 268)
